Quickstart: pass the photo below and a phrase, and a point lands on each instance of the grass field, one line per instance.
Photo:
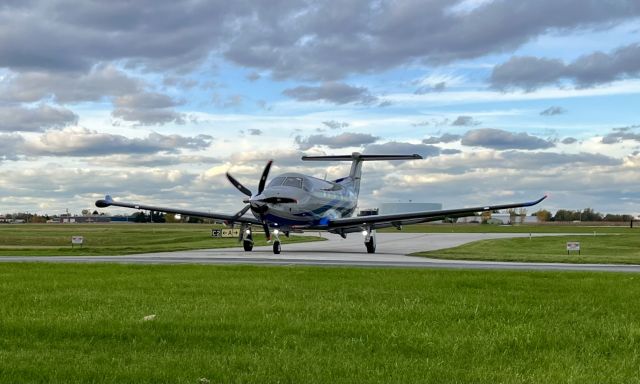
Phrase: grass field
(84, 323)
(486, 228)
(114, 239)
(607, 248)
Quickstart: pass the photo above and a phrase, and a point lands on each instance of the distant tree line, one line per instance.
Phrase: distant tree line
(587, 214)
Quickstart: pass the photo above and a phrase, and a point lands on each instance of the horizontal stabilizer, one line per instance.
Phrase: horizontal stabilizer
(360, 157)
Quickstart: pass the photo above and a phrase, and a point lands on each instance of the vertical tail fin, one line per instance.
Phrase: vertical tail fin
(356, 165)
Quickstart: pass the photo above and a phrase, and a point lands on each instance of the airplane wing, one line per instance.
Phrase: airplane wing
(108, 201)
(357, 224)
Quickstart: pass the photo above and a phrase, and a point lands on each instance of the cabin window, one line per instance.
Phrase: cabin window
(293, 182)
(276, 182)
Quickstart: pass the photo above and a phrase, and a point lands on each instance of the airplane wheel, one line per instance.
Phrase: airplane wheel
(371, 245)
(247, 243)
(276, 247)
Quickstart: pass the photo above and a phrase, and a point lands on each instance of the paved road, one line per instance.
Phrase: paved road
(391, 252)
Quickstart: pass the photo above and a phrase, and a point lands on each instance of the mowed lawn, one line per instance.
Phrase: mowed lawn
(600, 249)
(115, 239)
(518, 228)
(244, 324)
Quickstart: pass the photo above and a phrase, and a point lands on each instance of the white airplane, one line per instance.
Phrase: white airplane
(293, 202)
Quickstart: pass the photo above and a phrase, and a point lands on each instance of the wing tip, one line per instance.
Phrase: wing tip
(104, 203)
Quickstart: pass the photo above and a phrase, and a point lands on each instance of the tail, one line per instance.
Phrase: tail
(353, 180)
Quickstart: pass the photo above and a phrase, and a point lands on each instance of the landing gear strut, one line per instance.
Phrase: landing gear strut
(370, 240)
(247, 239)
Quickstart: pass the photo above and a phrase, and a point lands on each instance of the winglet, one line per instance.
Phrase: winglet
(536, 202)
(106, 202)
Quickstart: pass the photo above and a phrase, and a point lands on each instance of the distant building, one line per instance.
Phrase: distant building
(500, 218)
(68, 219)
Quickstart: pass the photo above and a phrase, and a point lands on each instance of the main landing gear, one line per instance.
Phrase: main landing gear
(370, 240)
(247, 240)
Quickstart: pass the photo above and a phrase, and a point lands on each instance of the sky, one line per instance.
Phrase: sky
(153, 101)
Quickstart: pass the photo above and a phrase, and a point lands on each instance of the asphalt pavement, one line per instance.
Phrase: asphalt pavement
(392, 251)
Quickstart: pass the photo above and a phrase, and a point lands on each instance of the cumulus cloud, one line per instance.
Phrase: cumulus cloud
(40, 118)
(147, 108)
(530, 73)
(444, 138)
(617, 135)
(102, 81)
(85, 142)
(400, 148)
(553, 110)
(343, 140)
(502, 140)
(332, 92)
(465, 121)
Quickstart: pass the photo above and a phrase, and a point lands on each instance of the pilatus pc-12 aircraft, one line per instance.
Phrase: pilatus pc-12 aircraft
(293, 202)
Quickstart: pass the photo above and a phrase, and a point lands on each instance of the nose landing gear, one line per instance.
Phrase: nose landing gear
(276, 242)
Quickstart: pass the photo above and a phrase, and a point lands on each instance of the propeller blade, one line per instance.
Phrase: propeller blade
(241, 212)
(239, 186)
(263, 178)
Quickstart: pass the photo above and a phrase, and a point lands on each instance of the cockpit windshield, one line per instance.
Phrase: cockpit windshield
(293, 182)
(276, 182)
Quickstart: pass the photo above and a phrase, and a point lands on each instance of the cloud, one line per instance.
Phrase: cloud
(501, 140)
(399, 148)
(445, 138)
(553, 110)
(290, 39)
(331, 92)
(526, 72)
(40, 118)
(102, 81)
(85, 142)
(530, 73)
(147, 108)
(569, 140)
(343, 140)
(9, 145)
(151, 160)
(618, 135)
(335, 124)
(465, 121)
(366, 37)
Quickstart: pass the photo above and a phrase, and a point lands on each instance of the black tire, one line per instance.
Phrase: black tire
(247, 243)
(371, 245)
(276, 247)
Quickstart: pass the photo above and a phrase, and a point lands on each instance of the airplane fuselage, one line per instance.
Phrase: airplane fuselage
(317, 201)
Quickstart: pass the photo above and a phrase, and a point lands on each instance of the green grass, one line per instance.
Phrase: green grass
(608, 248)
(540, 228)
(83, 323)
(114, 239)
